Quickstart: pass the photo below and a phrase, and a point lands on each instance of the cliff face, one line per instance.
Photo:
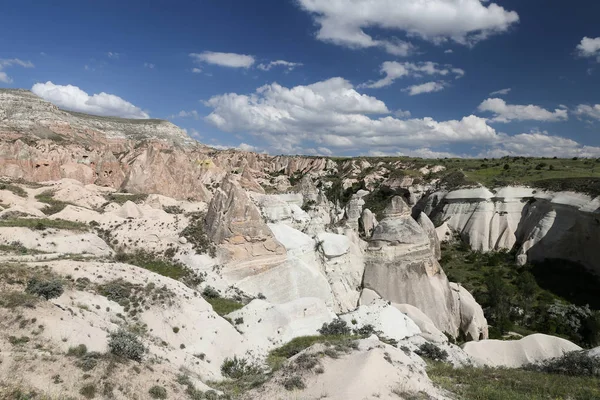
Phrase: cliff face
(541, 225)
(39, 142)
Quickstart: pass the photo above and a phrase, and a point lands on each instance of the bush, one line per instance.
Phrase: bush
(365, 330)
(335, 327)
(576, 363)
(294, 382)
(48, 289)
(211, 293)
(88, 391)
(126, 344)
(158, 392)
(77, 351)
(431, 351)
(195, 234)
(236, 368)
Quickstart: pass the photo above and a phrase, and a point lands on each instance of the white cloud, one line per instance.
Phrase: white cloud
(114, 56)
(395, 70)
(149, 65)
(279, 63)
(402, 114)
(72, 98)
(196, 70)
(428, 87)
(231, 60)
(342, 22)
(504, 112)
(449, 51)
(539, 144)
(589, 47)
(423, 152)
(334, 115)
(585, 110)
(11, 62)
(185, 114)
(501, 92)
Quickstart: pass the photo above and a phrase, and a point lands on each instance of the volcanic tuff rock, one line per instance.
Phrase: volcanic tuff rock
(517, 353)
(401, 266)
(542, 224)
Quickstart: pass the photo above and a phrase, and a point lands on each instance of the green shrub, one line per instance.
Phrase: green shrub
(48, 289)
(236, 368)
(88, 391)
(158, 392)
(195, 234)
(575, 363)
(77, 351)
(432, 352)
(336, 327)
(17, 190)
(293, 383)
(14, 299)
(126, 344)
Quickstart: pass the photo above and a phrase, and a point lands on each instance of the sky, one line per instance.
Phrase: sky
(427, 78)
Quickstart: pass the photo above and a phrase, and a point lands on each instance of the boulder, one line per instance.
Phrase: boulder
(517, 353)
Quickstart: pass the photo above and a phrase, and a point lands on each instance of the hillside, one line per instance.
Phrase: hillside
(136, 263)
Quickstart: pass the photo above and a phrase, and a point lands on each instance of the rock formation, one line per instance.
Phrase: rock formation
(401, 267)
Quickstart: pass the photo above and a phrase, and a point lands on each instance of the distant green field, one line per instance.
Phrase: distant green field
(576, 174)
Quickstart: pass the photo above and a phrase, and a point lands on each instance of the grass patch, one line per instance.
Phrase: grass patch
(14, 299)
(279, 355)
(18, 248)
(151, 262)
(54, 206)
(43, 223)
(122, 198)
(223, 306)
(17, 190)
(470, 383)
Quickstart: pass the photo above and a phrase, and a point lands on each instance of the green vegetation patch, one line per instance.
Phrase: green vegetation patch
(122, 198)
(54, 206)
(550, 298)
(161, 266)
(43, 223)
(471, 383)
(17, 190)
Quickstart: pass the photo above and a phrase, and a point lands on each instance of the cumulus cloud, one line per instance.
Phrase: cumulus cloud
(196, 70)
(402, 113)
(343, 22)
(538, 144)
(504, 112)
(394, 70)
(333, 115)
(73, 98)
(428, 87)
(230, 60)
(11, 62)
(185, 114)
(501, 92)
(589, 47)
(584, 110)
(279, 63)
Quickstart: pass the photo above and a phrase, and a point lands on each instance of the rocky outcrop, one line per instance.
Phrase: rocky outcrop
(541, 225)
(372, 370)
(235, 223)
(531, 349)
(401, 267)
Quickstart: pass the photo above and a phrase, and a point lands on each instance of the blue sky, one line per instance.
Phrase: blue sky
(309, 76)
